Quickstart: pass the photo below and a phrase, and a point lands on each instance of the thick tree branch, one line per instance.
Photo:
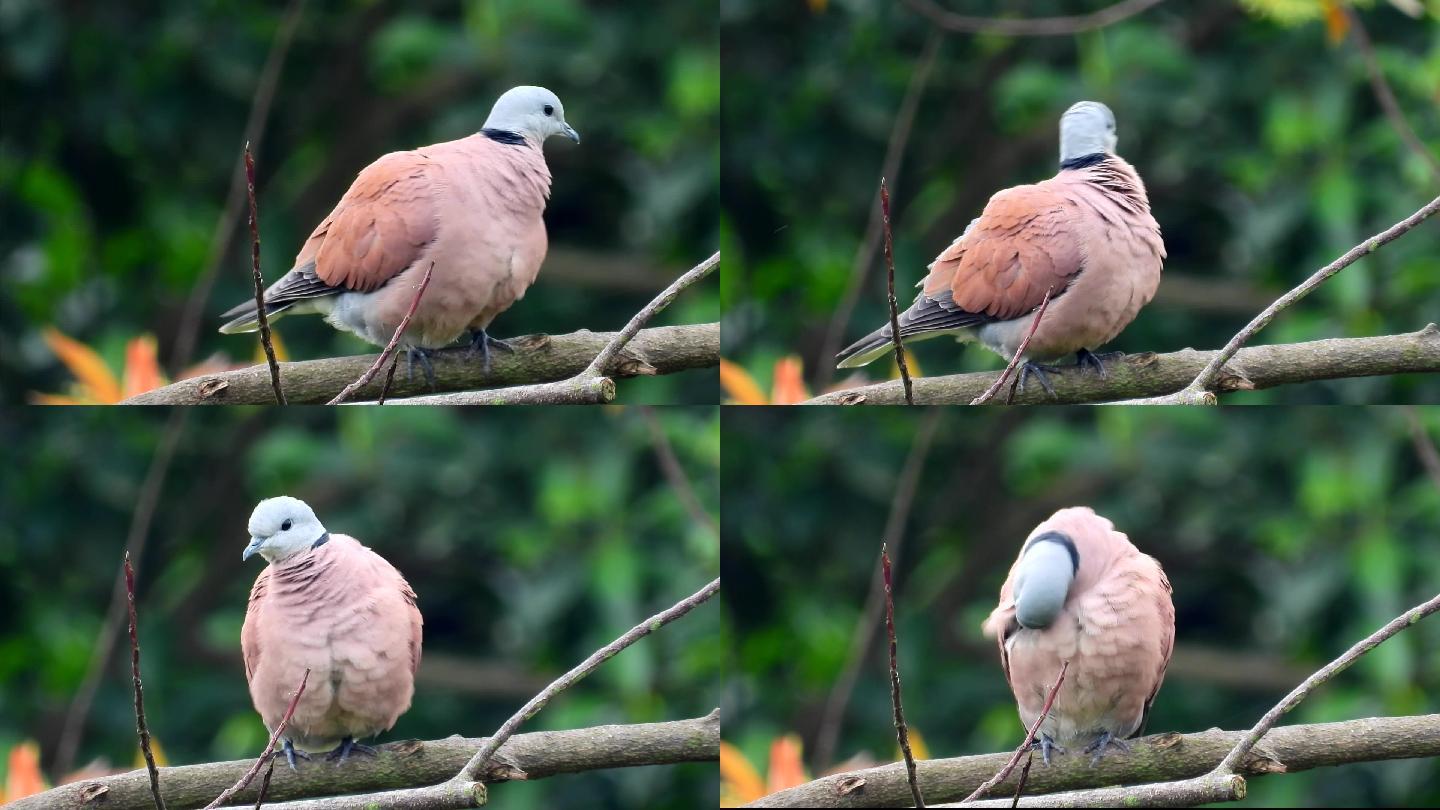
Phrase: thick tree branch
(1200, 390)
(405, 764)
(1190, 793)
(591, 386)
(1155, 375)
(1038, 27)
(1162, 756)
(539, 358)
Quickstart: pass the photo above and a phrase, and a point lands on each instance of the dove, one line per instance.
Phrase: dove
(327, 603)
(1086, 235)
(1081, 592)
(472, 207)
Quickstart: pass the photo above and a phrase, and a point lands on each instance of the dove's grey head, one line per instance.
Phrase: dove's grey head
(531, 112)
(1087, 128)
(1048, 565)
(281, 527)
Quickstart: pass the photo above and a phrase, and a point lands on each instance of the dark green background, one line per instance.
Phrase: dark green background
(532, 537)
(1288, 535)
(1265, 154)
(122, 122)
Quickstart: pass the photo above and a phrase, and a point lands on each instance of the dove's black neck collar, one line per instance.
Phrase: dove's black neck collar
(1084, 161)
(504, 136)
(324, 538)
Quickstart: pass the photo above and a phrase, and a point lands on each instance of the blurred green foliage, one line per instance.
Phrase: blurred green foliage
(1288, 534)
(1264, 150)
(532, 537)
(122, 123)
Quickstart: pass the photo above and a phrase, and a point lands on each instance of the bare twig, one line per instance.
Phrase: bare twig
(1040, 27)
(259, 281)
(265, 784)
(869, 619)
(1198, 391)
(1014, 760)
(1330, 670)
(1159, 376)
(612, 350)
(140, 726)
(1015, 360)
(266, 756)
(889, 167)
(591, 386)
(674, 472)
(389, 380)
(1385, 95)
(902, 732)
(890, 292)
(190, 319)
(389, 348)
(472, 770)
(143, 516)
(1020, 787)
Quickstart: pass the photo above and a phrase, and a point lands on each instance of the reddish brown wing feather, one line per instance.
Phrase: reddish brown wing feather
(379, 227)
(1024, 243)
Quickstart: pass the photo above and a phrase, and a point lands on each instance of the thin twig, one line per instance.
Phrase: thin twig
(1197, 392)
(902, 732)
(890, 292)
(1019, 786)
(139, 533)
(1039, 27)
(471, 771)
(889, 167)
(389, 378)
(1015, 360)
(190, 319)
(1385, 95)
(269, 751)
(1024, 746)
(140, 726)
(674, 472)
(592, 386)
(613, 348)
(1424, 445)
(869, 619)
(259, 281)
(265, 784)
(1404, 620)
(389, 348)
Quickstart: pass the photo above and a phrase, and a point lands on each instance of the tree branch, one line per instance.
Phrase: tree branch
(1198, 392)
(259, 281)
(140, 726)
(410, 763)
(266, 755)
(902, 732)
(1040, 27)
(890, 295)
(1189, 793)
(539, 358)
(1161, 756)
(590, 386)
(1154, 375)
(472, 769)
(389, 349)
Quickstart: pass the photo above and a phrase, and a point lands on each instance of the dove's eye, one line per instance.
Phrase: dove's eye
(549, 110)
(285, 527)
